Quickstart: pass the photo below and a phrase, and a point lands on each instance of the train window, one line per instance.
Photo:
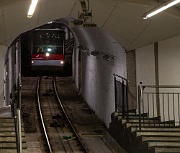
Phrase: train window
(48, 41)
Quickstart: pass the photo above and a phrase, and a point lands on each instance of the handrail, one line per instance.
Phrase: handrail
(156, 103)
(120, 77)
(161, 86)
(123, 103)
(19, 134)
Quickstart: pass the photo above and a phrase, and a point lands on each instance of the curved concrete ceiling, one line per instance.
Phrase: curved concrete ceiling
(122, 19)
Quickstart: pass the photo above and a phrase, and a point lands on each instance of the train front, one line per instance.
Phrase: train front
(47, 50)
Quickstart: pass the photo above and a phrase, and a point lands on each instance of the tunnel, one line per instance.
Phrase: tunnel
(112, 44)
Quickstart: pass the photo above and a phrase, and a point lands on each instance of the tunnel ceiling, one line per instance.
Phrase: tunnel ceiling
(122, 19)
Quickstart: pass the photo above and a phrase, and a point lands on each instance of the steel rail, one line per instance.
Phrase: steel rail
(40, 113)
(65, 114)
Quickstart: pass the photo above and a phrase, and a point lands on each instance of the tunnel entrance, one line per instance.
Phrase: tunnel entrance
(57, 63)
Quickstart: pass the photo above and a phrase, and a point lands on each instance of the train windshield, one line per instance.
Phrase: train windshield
(48, 41)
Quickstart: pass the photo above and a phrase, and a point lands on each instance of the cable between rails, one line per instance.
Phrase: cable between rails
(65, 114)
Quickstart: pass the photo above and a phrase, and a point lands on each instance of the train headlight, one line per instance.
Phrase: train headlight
(32, 62)
(47, 54)
(62, 62)
(49, 49)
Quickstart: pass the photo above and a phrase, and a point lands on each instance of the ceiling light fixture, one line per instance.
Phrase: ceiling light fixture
(160, 8)
(32, 8)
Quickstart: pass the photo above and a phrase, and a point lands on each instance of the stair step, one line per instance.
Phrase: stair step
(155, 129)
(143, 138)
(136, 120)
(137, 117)
(129, 124)
(11, 145)
(8, 136)
(130, 115)
(12, 151)
(10, 139)
(114, 114)
(154, 137)
(157, 147)
(155, 133)
(6, 124)
(7, 120)
(164, 150)
(163, 143)
(7, 129)
(9, 133)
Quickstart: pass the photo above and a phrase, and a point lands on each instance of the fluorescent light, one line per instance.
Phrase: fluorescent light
(32, 8)
(160, 8)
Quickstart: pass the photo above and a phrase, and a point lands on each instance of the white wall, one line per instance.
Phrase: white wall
(169, 61)
(169, 74)
(145, 73)
(3, 50)
(145, 65)
(97, 86)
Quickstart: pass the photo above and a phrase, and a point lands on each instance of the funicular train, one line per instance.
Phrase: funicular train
(47, 49)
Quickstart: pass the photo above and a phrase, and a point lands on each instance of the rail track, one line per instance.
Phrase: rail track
(59, 133)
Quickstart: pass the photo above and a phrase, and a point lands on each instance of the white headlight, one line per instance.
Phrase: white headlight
(49, 49)
(47, 54)
(62, 62)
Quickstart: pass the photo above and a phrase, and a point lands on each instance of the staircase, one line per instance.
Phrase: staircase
(154, 137)
(8, 136)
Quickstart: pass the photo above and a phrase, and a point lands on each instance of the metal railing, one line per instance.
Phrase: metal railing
(121, 94)
(16, 113)
(18, 131)
(159, 105)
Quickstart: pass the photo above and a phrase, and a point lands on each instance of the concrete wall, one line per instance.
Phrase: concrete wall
(131, 76)
(156, 64)
(169, 61)
(97, 84)
(145, 65)
(168, 73)
(3, 50)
